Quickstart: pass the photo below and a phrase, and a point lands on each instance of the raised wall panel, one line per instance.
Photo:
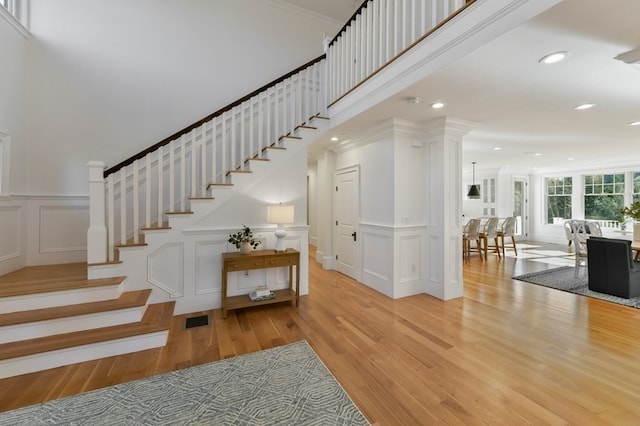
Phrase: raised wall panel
(209, 266)
(377, 267)
(10, 226)
(165, 268)
(63, 228)
(410, 258)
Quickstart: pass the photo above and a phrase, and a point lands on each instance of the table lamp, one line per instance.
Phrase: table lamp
(281, 215)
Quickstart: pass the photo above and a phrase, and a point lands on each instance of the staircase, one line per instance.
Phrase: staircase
(53, 315)
(58, 315)
(150, 213)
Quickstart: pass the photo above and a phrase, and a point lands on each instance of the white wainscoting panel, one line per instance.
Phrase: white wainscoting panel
(63, 228)
(10, 229)
(377, 258)
(57, 229)
(165, 268)
(209, 266)
(410, 263)
(393, 259)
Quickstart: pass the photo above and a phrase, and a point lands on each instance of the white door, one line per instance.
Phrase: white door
(521, 207)
(346, 201)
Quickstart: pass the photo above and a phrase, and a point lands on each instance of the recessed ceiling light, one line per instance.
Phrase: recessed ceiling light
(335, 138)
(537, 154)
(635, 123)
(553, 58)
(583, 107)
(437, 105)
(570, 158)
(496, 148)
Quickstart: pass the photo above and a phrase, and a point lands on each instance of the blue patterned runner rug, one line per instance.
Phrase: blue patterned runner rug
(563, 279)
(286, 385)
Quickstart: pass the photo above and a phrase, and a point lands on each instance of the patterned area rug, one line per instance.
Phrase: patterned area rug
(287, 385)
(563, 279)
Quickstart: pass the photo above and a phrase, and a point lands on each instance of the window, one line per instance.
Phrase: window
(636, 187)
(604, 196)
(559, 190)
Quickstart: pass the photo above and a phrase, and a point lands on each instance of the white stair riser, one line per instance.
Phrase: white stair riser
(44, 361)
(58, 298)
(39, 329)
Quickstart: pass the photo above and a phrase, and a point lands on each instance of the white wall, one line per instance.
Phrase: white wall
(13, 56)
(13, 228)
(110, 78)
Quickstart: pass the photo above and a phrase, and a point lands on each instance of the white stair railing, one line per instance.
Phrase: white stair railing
(141, 191)
(381, 31)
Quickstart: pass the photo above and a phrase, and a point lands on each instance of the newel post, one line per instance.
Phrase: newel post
(97, 233)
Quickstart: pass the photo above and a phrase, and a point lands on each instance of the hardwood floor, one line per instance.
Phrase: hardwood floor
(508, 352)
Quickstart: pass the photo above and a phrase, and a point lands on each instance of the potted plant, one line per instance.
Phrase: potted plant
(633, 212)
(244, 240)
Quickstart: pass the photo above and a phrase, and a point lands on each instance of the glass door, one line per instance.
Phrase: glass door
(520, 207)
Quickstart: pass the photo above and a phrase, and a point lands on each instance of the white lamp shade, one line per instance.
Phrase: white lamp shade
(280, 214)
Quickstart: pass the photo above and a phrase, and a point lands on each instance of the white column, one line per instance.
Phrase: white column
(444, 207)
(97, 233)
(326, 167)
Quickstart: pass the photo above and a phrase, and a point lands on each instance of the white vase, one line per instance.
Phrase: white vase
(245, 248)
(636, 231)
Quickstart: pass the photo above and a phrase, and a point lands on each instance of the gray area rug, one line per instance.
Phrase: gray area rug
(287, 385)
(563, 279)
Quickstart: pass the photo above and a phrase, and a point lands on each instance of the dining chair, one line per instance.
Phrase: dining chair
(472, 234)
(594, 228)
(490, 232)
(580, 237)
(508, 229)
(568, 232)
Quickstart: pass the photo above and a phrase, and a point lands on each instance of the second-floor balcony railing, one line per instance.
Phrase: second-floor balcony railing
(379, 32)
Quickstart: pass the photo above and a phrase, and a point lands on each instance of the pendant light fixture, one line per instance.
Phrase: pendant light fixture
(474, 190)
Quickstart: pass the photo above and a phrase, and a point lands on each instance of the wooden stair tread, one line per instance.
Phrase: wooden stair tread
(218, 184)
(305, 126)
(126, 300)
(156, 318)
(46, 286)
(179, 212)
(200, 198)
(238, 171)
(289, 137)
(156, 226)
(64, 271)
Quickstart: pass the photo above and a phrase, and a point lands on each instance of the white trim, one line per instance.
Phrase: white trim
(13, 21)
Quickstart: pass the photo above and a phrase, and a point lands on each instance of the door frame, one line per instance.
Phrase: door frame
(357, 257)
(525, 207)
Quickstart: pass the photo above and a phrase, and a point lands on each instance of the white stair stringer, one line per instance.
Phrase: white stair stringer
(52, 359)
(166, 263)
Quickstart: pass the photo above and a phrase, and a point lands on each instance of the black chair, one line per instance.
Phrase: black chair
(611, 267)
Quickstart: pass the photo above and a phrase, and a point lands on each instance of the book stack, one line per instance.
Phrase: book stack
(261, 293)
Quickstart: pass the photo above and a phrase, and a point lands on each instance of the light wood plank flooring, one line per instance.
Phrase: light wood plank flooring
(507, 353)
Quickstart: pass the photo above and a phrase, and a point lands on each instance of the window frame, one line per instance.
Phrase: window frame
(565, 194)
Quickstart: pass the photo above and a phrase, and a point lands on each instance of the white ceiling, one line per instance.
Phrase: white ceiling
(525, 107)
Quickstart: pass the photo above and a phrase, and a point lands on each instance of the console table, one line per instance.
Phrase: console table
(260, 259)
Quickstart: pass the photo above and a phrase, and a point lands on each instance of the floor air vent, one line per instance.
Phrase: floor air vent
(196, 321)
